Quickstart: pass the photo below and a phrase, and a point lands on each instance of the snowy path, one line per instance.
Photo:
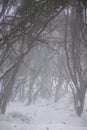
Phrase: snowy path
(59, 116)
(59, 126)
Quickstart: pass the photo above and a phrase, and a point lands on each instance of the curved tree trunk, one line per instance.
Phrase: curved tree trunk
(74, 56)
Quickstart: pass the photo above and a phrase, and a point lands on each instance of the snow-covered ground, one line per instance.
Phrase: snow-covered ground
(43, 116)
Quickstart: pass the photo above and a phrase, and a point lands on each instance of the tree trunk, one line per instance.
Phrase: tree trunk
(7, 92)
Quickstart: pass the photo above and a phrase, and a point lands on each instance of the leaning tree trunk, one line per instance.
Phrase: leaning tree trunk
(81, 102)
(7, 92)
(77, 22)
(73, 53)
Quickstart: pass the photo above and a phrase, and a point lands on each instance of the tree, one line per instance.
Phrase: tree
(74, 51)
(19, 28)
(22, 28)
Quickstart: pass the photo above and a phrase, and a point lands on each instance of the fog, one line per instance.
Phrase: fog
(43, 65)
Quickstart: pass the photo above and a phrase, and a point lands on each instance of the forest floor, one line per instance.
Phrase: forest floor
(43, 115)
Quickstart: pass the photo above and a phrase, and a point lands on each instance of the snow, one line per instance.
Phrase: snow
(43, 116)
